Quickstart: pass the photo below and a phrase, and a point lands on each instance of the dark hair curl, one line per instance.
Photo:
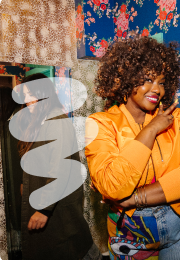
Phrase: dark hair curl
(127, 62)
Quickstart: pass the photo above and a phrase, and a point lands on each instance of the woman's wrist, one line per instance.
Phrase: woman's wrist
(147, 135)
(132, 203)
(140, 198)
(152, 128)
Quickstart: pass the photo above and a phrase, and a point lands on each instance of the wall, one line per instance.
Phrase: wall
(99, 22)
(39, 31)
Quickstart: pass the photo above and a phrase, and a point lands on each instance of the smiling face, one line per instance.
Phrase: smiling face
(146, 97)
(29, 99)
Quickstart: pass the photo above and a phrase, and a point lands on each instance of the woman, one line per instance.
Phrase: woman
(59, 231)
(134, 159)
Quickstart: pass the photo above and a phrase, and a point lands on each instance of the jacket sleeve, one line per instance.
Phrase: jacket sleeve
(170, 183)
(114, 173)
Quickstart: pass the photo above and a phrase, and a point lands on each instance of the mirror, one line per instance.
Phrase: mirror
(11, 75)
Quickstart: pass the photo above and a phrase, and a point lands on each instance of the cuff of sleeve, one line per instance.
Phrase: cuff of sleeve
(137, 154)
(47, 213)
(170, 185)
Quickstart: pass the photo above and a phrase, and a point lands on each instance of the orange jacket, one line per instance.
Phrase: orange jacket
(118, 163)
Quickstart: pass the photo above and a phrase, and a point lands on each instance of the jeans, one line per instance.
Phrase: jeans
(168, 224)
(168, 228)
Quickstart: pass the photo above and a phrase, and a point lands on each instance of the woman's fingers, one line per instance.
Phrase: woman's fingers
(160, 108)
(171, 108)
(37, 220)
(34, 224)
(39, 224)
(171, 119)
(93, 187)
(42, 224)
(30, 225)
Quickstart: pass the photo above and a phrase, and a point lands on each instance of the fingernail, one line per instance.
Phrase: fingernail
(102, 201)
(160, 103)
(176, 100)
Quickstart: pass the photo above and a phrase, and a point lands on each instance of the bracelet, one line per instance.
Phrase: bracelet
(141, 205)
(136, 199)
(145, 197)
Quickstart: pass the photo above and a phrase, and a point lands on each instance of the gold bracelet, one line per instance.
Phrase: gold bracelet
(138, 205)
(142, 204)
(136, 199)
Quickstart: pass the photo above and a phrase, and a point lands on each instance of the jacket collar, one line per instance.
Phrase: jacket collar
(135, 127)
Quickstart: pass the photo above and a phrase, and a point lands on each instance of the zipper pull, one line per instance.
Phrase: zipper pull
(159, 150)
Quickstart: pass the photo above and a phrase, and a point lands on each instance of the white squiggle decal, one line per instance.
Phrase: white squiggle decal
(61, 133)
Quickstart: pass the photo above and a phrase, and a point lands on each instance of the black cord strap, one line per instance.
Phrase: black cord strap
(120, 220)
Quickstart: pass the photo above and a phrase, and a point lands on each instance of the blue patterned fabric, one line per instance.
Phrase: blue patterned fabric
(63, 88)
(99, 22)
(137, 238)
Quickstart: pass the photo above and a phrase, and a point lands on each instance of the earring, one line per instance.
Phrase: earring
(125, 98)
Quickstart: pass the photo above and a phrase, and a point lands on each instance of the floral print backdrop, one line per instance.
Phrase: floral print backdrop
(63, 88)
(18, 70)
(100, 22)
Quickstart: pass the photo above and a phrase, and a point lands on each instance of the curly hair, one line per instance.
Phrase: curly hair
(127, 62)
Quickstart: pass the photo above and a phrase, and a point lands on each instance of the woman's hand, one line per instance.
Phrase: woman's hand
(127, 203)
(154, 197)
(37, 221)
(159, 123)
(92, 187)
(163, 119)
